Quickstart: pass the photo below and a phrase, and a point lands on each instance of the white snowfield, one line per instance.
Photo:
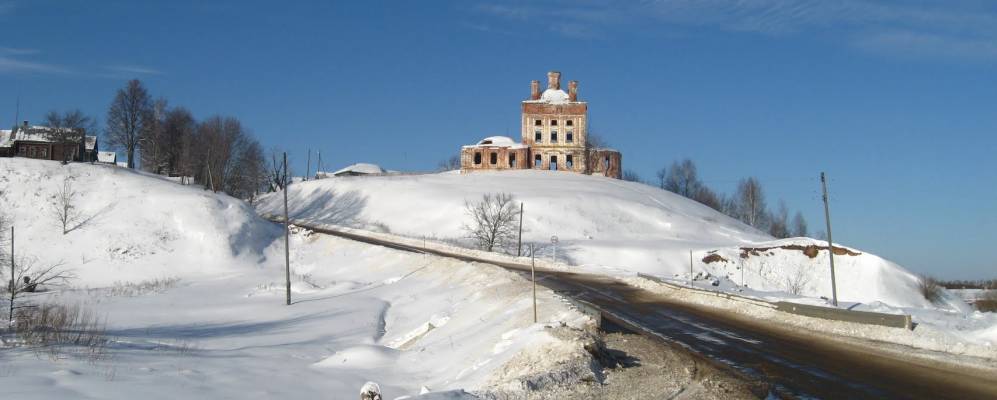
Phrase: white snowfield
(620, 228)
(215, 325)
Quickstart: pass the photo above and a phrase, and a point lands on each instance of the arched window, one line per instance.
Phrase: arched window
(494, 158)
(553, 163)
(538, 161)
(477, 158)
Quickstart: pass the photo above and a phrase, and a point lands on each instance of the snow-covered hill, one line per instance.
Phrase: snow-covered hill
(131, 226)
(608, 225)
(190, 285)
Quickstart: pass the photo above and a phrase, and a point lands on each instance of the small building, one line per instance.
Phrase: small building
(554, 136)
(39, 142)
(107, 157)
(360, 169)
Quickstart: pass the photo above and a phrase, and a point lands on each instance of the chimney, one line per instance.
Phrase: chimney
(572, 90)
(534, 90)
(553, 80)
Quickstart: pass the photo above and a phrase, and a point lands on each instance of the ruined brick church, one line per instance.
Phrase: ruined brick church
(554, 137)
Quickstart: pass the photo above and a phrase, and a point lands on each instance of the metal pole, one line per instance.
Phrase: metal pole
(287, 236)
(519, 248)
(830, 245)
(533, 275)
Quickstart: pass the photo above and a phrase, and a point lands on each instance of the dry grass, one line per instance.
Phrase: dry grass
(57, 330)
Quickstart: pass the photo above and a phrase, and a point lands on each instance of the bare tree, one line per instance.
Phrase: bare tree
(68, 130)
(682, 179)
(778, 223)
(64, 208)
(709, 198)
(179, 130)
(153, 140)
(750, 203)
(799, 225)
(27, 275)
(277, 178)
(127, 118)
(494, 220)
(631, 176)
(250, 172)
(450, 164)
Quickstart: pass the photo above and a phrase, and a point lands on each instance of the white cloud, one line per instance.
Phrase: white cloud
(12, 65)
(134, 69)
(927, 27)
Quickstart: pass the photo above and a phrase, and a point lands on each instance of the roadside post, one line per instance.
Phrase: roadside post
(287, 236)
(533, 276)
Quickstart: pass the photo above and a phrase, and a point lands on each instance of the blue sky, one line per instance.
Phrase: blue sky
(897, 101)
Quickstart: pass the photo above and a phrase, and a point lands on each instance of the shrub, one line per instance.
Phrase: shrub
(55, 328)
(929, 288)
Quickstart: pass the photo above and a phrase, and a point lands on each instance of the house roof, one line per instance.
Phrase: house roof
(36, 134)
(498, 141)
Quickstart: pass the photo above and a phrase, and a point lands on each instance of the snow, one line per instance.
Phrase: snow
(361, 168)
(498, 141)
(108, 157)
(621, 228)
(190, 284)
(554, 96)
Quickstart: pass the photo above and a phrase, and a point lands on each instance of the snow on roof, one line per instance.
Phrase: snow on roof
(361, 168)
(36, 134)
(109, 157)
(554, 96)
(498, 141)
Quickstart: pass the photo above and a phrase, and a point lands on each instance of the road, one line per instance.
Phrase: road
(794, 364)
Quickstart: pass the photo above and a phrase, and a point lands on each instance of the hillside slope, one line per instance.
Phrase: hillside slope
(603, 224)
(130, 226)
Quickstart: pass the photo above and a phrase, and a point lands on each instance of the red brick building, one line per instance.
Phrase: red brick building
(554, 136)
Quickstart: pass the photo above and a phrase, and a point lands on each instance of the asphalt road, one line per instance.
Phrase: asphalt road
(794, 364)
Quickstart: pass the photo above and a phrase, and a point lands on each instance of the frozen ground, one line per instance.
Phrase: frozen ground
(190, 285)
(622, 228)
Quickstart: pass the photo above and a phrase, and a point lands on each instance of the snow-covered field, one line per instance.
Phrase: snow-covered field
(621, 228)
(215, 325)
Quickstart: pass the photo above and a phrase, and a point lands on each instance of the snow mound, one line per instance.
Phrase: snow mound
(360, 357)
(131, 226)
(602, 224)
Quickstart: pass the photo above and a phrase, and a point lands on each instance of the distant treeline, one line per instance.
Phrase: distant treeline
(217, 152)
(747, 204)
(970, 284)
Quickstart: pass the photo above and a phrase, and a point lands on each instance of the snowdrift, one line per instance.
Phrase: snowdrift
(613, 226)
(130, 227)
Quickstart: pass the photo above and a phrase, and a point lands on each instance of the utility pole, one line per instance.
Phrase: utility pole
(533, 275)
(519, 249)
(308, 167)
(830, 245)
(318, 166)
(287, 236)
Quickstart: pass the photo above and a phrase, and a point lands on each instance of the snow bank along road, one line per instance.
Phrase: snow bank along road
(796, 364)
